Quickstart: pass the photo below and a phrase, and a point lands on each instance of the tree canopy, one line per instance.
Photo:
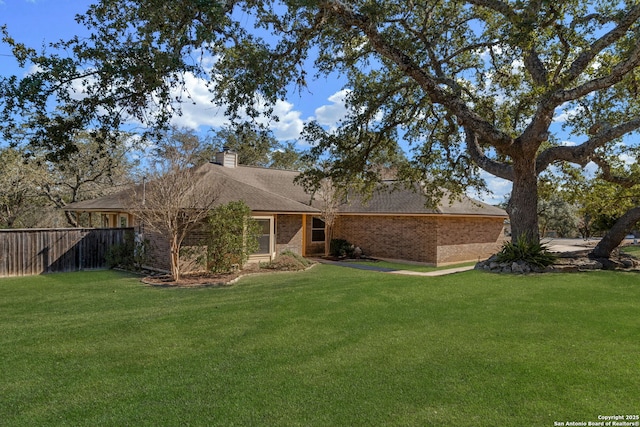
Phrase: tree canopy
(33, 188)
(256, 146)
(472, 85)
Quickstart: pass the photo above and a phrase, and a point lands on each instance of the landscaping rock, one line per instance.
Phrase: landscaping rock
(628, 263)
(516, 268)
(566, 262)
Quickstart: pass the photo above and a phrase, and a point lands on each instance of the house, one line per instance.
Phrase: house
(393, 224)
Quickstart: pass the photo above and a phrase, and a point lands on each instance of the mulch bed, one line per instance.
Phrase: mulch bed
(192, 280)
(205, 280)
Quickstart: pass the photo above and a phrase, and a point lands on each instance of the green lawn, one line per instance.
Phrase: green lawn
(408, 267)
(331, 346)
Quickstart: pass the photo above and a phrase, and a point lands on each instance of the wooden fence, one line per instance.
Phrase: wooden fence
(27, 252)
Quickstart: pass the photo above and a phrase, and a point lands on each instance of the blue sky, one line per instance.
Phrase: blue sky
(37, 22)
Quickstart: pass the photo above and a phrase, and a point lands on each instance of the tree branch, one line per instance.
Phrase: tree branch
(617, 74)
(581, 154)
(498, 6)
(429, 84)
(584, 59)
(536, 68)
(538, 128)
(616, 234)
(607, 174)
(499, 169)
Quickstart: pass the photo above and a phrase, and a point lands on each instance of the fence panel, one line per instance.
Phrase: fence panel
(27, 252)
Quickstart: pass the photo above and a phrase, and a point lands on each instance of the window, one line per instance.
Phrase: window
(264, 240)
(317, 230)
(124, 221)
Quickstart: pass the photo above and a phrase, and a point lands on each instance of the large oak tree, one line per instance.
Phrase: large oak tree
(470, 84)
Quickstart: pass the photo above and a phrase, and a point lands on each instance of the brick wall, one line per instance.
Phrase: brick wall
(289, 233)
(160, 252)
(288, 237)
(395, 237)
(432, 240)
(468, 239)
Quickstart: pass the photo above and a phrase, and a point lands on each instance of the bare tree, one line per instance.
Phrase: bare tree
(92, 170)
(18, 189)
(328, 195)
(173, 203)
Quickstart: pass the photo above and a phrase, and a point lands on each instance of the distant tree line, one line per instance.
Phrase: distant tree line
(35, 185)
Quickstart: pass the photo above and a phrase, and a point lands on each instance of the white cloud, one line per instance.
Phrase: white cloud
(198, 110)
(566, 115)
(330, 115)
(289, 126)
(628, 159)
(498, 189)
(590, 169)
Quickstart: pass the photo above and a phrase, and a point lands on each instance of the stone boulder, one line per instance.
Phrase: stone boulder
(566, 262)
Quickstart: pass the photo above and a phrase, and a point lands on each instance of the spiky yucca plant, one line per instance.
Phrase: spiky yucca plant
(533, 253)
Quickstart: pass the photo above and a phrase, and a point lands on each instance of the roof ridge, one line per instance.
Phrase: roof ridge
(264, 190)
(254, 167)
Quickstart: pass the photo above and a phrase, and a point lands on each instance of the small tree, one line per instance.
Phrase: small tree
(232, 235)
(556, 214)
(172, 203)
(93, 169)
(328, 195)
(173, 206)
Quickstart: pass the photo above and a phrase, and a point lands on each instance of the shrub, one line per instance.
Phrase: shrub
(526, 250)
(341, 248)
(232, 235)
(131, 254)
(287, 261)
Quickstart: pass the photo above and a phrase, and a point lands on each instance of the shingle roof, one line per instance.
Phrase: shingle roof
(263, 190)
(114, 202)
(274, 190)
(389, 198)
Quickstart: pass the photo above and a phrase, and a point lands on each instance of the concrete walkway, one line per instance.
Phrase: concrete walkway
(392, 271)
(442, 272)
(554, 245)
(570, 245)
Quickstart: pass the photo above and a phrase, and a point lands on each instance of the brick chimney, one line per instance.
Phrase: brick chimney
(227, 158)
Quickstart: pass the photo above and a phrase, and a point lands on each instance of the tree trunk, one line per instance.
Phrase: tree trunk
(616, 234)
(523, 204)
(328, 235)
(175, 260)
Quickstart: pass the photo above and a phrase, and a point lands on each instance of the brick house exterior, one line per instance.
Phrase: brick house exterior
(393, 224)
(430, 239)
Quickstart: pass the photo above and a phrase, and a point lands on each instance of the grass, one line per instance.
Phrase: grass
(632, 249)
(329, 346)
(408, 267)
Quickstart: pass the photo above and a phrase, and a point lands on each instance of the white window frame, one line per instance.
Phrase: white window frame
(272, 236)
